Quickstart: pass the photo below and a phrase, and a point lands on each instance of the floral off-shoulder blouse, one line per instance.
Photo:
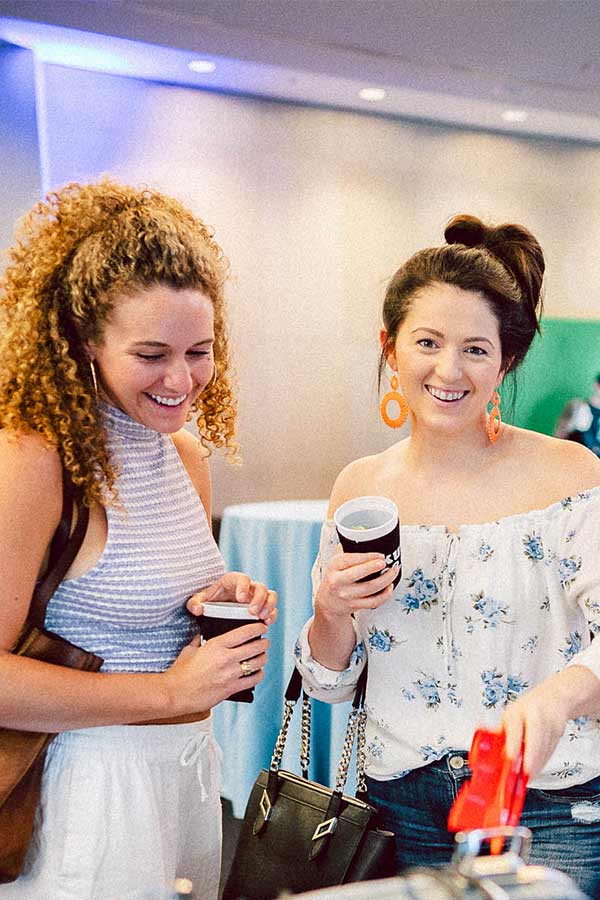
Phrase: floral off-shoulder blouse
(478, 617)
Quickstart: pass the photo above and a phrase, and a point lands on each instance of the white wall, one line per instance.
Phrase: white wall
(316, 209)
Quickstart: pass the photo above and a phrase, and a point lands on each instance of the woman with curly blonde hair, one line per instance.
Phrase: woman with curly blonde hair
(113, 335)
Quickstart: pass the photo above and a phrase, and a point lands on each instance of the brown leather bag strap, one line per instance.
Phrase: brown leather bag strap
(63, 550)
(61, 535)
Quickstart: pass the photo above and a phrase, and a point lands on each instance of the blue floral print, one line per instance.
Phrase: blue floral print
(572, 646)
(382, 640)
(530, 644)
(422, 593)
(500, 690)
(429, 688)
(375, 748)
(568, 770)
(515, 685)
(492, 612)
(534, 549)
(568, 569)
(452, 694)
(357, 654)
(493, 691)
(592, 608)
(575, 727)
(485, 552)
(431, 753)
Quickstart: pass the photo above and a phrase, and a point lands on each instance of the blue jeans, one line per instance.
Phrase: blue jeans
(565, 824)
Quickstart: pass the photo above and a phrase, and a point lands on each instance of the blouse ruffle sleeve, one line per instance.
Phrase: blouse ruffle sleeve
(579, 569)
(320, 682)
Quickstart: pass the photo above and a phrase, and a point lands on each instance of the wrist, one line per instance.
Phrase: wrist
(169, 700)
(577, 692)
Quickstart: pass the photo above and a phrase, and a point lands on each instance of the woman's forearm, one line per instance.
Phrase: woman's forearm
(579, 690)
(332, 640)
(37, 696)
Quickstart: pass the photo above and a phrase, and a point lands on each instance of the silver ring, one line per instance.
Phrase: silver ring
(246, 668)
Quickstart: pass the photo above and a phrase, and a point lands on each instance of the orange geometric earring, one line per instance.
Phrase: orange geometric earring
(397, 397)
(494, 419)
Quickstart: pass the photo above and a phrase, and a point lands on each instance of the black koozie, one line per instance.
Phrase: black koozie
(389, 544)
(211, 627)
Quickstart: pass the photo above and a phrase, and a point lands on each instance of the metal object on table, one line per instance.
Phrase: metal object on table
(471, 875)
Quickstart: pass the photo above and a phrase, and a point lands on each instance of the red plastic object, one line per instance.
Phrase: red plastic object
(496, 791)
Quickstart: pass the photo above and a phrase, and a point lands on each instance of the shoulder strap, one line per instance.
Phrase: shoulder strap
(63, 550)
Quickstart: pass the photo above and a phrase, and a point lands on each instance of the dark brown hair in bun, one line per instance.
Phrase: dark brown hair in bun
(467, 230)
(505, 263)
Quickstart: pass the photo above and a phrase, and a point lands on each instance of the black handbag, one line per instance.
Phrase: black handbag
(298, 835)
(22, 753)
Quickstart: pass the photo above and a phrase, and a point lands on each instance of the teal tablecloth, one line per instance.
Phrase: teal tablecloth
(276, 543)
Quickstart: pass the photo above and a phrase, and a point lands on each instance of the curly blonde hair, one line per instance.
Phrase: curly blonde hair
(74, 252)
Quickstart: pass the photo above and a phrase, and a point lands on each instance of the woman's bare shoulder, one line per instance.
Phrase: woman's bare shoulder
(566, 466)
(360, 476)
(30, 487)
(26, 454)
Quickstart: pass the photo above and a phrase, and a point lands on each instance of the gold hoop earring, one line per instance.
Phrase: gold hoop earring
(94, 378)
(213, 378)
(397, 397)
(494, 418)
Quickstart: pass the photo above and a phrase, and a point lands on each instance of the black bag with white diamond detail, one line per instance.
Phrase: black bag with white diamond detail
(298, 835)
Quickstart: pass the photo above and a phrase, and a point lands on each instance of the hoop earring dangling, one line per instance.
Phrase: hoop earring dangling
(395, 395)
(94, 378)
(213, 378)
(494, 421)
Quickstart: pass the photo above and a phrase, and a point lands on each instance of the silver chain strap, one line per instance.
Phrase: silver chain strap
(355, 729)
(361, 784)
(342, 772)
(281, 737)
(305, 737)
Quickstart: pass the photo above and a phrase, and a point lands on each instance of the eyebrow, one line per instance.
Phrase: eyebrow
(161, 345)
(469, 340)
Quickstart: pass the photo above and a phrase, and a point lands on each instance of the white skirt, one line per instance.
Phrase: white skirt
(125, 810)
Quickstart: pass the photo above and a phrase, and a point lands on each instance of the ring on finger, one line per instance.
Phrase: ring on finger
(246, 668)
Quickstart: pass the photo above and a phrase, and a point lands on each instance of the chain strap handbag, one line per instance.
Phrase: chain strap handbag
(298, 835)
(22, 753)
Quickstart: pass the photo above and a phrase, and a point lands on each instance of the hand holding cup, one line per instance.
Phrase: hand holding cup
(219, 617)
(370, 525)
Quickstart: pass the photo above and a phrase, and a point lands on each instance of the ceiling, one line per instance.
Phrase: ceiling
(527, 66)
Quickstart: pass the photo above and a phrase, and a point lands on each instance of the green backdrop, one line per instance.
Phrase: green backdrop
(561, 364)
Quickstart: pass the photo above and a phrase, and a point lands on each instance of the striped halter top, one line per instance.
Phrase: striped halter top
(130, 607)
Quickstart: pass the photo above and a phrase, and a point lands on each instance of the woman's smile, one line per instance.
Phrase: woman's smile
(444, 395)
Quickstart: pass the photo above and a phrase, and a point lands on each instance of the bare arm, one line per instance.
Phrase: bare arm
(540, 716)
(340, 594)
(38, 696)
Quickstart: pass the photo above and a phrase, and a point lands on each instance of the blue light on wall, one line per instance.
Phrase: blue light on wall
(82, 56)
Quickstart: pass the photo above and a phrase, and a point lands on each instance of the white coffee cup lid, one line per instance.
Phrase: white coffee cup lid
(352, 509)
(227, 609)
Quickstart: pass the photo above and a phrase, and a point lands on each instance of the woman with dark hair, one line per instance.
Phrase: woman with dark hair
(113, 335)
(491, 621)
